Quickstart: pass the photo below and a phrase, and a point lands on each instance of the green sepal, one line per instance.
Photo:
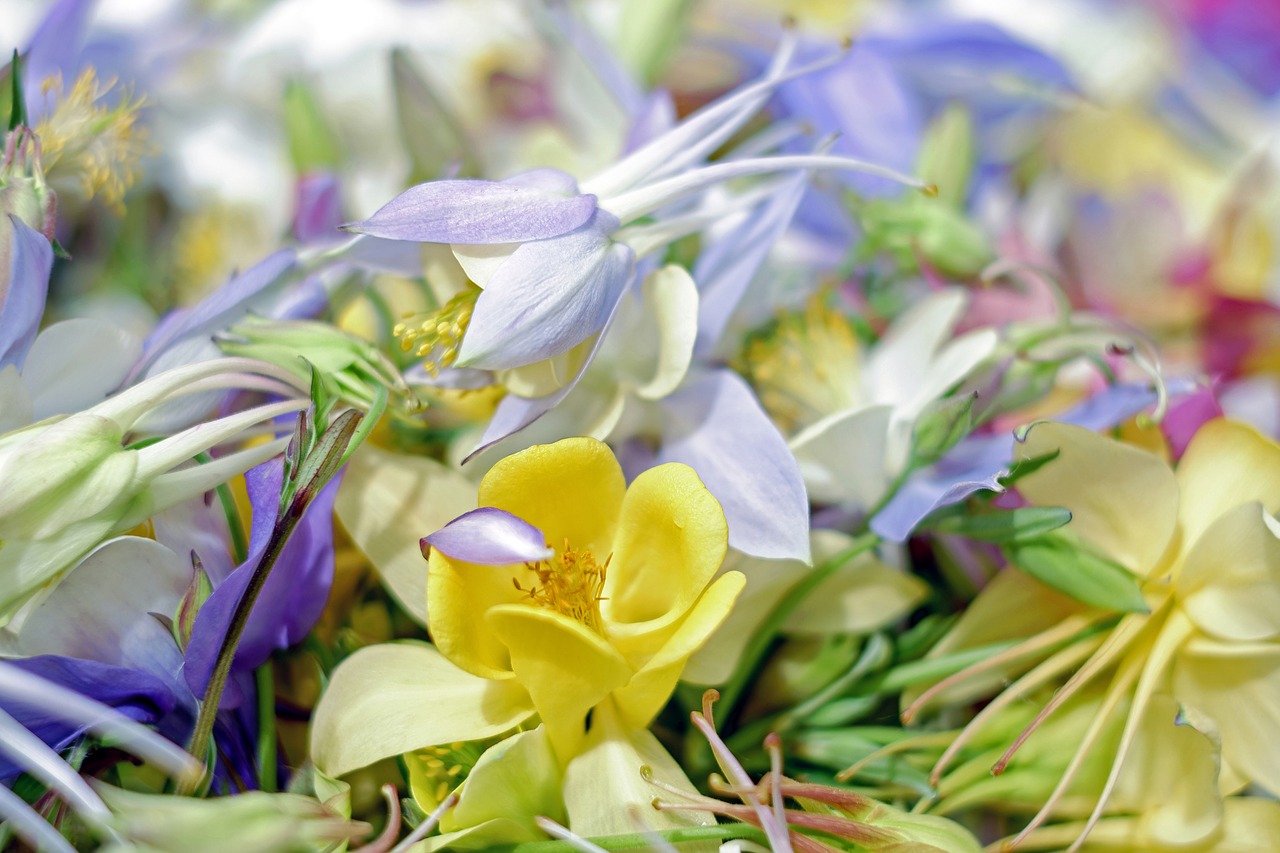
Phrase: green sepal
(17, 99)
(941, 427)
(1062, 562)
(196, 594)
(946, 156)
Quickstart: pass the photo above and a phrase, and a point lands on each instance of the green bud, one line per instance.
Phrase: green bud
(313, 146)
(253, 822)
(198, 591)
(947, 155)
(941, 427)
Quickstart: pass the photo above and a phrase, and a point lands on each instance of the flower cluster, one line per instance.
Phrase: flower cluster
(715, 424)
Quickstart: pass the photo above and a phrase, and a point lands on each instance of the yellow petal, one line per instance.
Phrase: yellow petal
(394, 698)
(604, 792)
(457, 594)
(387, 502)
(1230, 581)
(1122, 500)
(648, 690)
(571, 489)
(1225, 465)
(566, 667)
(516, 778)
(1238, 686)
(672, 537)
(1250, 823)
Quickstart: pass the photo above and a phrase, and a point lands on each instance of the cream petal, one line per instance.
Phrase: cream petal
(1229, 583)
(671, 306)
(604, 792)
(387, 502)
(1239, 688)
(842, 456)
(516, 778)
(1123, 500)
(393, 698)
(1225, 465)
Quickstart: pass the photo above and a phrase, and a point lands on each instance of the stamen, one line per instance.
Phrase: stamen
(571, 583)
(437, 336)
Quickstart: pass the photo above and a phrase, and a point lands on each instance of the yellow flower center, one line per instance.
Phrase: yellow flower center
(805, 365)
(571, 583)
(436, 337)
(90, 149)
(437, 770)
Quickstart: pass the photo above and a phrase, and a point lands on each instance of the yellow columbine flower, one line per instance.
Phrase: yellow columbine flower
(596, 621)
(1205, 547)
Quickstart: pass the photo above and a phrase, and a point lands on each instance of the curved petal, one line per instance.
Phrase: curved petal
(76, 364)
(901, 360)
(490, 537)
(650, 688)
(1230, 581)
(386, 502)
(23, 291)
(1241, 693)
(863, 596)
(1226, 464)
(572, 489)
(1123, 500)
(547, 298)
(842, 456)
(390, 699)
(671, 302)
(566, 667)
(458, 593)
(474, 211)
(672, 537)
(516, 778)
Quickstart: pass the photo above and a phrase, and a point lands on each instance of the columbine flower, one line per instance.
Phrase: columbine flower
(567, 595)
(553, 258)
(1203, 547)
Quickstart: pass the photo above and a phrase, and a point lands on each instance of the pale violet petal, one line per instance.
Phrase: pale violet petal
(22, 295)
(475, 211)
(548, 297)
(490, 537)
(715, 425)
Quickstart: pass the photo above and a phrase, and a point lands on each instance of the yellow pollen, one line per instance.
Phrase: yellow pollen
(443, 767)
(90, 149)
(571, 583)
(436, 337)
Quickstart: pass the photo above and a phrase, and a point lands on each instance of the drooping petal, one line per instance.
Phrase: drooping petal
(715, 426)
(386, 502)
(22, 295)
(526, 207)
(457, 593)
(1226, 464)
(390, 699)
(1230, 581)
(1123, 500)
(671, 539)
(490, 537)
(671, 305)
(1239, 688)
(572, 489)
(604, 791)
(566, 667)
(548, 297)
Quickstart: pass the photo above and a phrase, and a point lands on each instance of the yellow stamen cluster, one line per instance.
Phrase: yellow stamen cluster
(805, 365)
(444, 767)
(571, 583)
(437, 336)
(90, 149)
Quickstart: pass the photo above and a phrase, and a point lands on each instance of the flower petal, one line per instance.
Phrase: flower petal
(548, 297)
(516, 778)
(572, 489)
(1230, 581)
(386, 502)
(474, 211)
(23, 291)
(1241, 693)
(457, 592)
(715, 426)
(604, 791)
(672, 537)
(842, 456)
(1226, 464)
(1123, 500)
(566, 667)
(671, 303)
(76, 363)
(393, 698)
(490, 537)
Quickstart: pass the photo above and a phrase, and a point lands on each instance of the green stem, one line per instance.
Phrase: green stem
(264, 677)
(643, 840)
(759, 643)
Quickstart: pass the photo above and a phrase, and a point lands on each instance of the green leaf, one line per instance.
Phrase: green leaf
(17, 101)
(1005, 525)
(1063, 563)
(1026, 467)
(313, 146)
